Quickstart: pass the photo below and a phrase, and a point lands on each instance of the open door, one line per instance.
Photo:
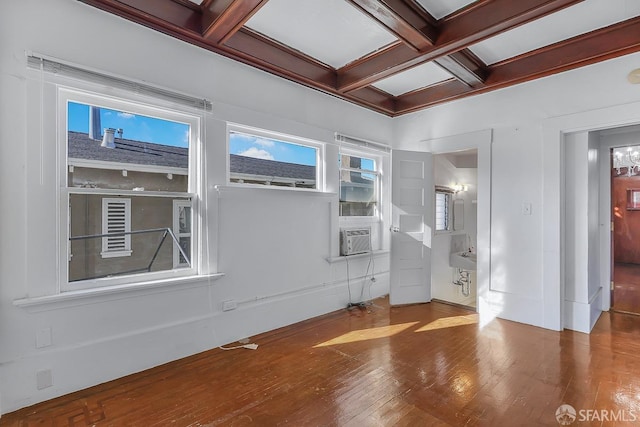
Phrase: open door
(412, 219)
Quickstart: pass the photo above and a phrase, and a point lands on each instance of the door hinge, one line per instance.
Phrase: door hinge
(611, 225)
(612, 285)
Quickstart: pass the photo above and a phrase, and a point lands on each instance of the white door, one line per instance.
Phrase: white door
(412, 219)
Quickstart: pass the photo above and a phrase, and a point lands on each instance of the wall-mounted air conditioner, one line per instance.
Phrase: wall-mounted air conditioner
(355, 241)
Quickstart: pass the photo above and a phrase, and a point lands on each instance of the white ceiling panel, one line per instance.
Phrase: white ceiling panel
(332, 31)
(579, 19)
(414, 78)
(441, 8)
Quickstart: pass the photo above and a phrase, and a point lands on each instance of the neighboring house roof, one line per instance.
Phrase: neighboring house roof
(243, 165)
(127, 151)
(146, 153)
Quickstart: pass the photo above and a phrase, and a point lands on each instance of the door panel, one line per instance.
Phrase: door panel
(412, 216)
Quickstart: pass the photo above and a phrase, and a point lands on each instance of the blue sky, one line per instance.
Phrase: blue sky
(135, 127)
(271, 149)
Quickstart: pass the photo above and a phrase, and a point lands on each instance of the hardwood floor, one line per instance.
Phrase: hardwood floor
(421, 365)
(626, 294)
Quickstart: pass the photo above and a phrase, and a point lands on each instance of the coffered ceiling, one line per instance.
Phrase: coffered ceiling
(399, 56)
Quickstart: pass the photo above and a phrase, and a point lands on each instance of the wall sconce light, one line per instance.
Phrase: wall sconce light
(459, 187)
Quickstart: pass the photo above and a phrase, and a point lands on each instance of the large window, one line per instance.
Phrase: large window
(131, 186)
(261, 158)
(359, 186)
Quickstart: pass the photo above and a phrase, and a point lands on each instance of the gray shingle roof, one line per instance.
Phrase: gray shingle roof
(127, 151)
(145, 153)
(271, 168)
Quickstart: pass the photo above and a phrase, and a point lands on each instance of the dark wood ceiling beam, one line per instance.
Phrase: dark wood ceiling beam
(375, 99)
(416, 29)
(276, 58)
(465, 66)
(600, 45)
(432, 95)
(485, 19)
(222, 18)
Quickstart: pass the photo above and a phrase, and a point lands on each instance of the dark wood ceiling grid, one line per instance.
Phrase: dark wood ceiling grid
(217, 25)
(599, 45)
(474, 24)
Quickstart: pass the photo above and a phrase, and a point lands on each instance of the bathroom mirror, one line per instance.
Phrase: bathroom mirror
(458, 214)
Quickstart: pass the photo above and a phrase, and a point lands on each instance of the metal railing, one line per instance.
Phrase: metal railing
(165, 231)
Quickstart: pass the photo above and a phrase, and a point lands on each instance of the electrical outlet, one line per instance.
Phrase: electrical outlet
(229, 305)
(44, 379)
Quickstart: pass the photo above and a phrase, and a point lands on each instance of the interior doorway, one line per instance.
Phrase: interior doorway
(454, 243)
(625, 236)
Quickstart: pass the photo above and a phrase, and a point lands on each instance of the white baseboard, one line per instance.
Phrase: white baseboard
(582, 317)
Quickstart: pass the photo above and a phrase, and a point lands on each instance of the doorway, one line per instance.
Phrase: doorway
(625, 215)
(454, 253)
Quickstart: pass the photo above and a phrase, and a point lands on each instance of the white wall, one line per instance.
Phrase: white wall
(447, 174)
(583, 291)
(529, 122)
(271, 244)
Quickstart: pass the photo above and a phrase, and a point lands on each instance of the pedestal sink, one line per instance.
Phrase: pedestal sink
(463, 260)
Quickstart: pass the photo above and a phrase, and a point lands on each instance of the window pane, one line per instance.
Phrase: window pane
(185, 244)
(358, 190)
(355, 162)
(117, 149)
(148, 250)
(442, 211)
(258, 160)
(184, 220)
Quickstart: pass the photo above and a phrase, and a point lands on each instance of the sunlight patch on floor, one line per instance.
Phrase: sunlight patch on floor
(368, 334)
(450, 322)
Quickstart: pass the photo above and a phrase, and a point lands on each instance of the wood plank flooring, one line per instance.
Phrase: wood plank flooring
(421, 365)
(626, 294)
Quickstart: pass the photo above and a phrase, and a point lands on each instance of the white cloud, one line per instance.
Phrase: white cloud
(264, 142)
(257, 153)
(126, 115)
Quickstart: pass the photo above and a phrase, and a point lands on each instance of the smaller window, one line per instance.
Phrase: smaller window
(257, 159)
(443, 210)
(116, 220)
(359, 183)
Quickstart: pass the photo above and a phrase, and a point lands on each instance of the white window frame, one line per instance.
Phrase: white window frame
(377, 159)
(289, 139)
(119, 100)
(177, 205)
(107, 227)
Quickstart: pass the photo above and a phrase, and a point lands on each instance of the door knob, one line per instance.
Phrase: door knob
(394, 229)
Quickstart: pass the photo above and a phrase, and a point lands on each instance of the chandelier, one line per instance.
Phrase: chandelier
(627, 157)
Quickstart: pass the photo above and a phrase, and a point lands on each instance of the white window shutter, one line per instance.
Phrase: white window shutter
(116, 218)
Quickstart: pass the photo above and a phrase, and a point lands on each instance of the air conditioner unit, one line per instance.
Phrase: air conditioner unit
(355, 241)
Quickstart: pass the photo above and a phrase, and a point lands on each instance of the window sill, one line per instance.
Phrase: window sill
(360, 219)
(96, 295)
(341, 258)
(235, 187)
